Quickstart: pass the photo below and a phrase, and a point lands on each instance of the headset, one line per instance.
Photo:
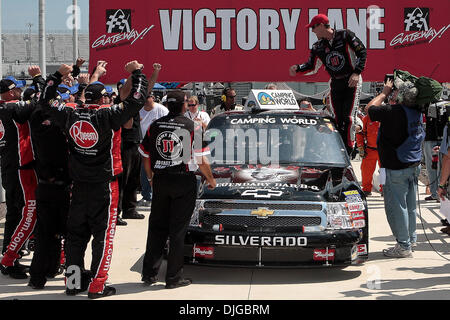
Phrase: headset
(224, 93)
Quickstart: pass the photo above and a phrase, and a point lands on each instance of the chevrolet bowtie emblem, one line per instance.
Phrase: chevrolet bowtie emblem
(262, 212)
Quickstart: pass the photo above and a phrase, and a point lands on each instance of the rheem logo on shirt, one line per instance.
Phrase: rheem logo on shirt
(83, 134)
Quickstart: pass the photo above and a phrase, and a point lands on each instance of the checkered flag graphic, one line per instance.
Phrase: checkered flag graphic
(416, 20)
(118, 21)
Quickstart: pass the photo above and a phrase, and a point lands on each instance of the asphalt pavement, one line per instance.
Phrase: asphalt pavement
(426, 276)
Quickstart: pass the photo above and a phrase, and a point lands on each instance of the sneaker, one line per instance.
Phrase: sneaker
(431, 198)
(397, 252)
(148, 281)
(133, 215)
(413, 246)
(107, 291)
(17, 271)
(179, 283)
(144, 203)
(120, 222)
(367, 193)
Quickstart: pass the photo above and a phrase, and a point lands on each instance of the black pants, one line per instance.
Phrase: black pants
(130, 180)
(173, 202)
(52, 207)
(93, 212)
(344, 102)
(14, 204)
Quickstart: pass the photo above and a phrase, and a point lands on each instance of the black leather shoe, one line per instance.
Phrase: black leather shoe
(86, 277)
(445, 222)
(446, 230)
(430, 198)
(133, 215)
(367, 193)
(15, 272)
(179, 283)
(148, 281)
(107, 291)
(36, 284)
(120, 222)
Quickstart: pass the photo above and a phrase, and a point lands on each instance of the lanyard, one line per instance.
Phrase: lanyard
(193, 117)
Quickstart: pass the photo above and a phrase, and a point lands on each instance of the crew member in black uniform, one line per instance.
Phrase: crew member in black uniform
(18, 176)
(93, 134)
(130, 180)
(52, 193)
(344, 57)
(166, 151)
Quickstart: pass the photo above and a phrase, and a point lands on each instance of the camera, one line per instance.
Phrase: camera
(388, 76)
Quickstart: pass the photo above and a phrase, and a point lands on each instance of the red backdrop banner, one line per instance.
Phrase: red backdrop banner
(257, 40)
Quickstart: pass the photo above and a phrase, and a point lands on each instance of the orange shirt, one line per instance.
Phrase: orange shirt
(368, 134)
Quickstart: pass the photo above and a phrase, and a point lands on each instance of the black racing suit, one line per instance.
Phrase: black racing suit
(52, 194)
(94, 142)
(18, 177)
(174, 192)
(342, 56)
(130, 180)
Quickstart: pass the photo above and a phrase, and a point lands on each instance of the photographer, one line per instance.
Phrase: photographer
(435, 123)
(399, 148)
(442, 190)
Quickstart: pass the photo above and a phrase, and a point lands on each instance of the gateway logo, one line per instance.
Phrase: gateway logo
(118, 23)
(83, 134)
(418, 29)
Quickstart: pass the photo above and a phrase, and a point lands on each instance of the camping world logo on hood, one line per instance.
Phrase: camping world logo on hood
(83, 134)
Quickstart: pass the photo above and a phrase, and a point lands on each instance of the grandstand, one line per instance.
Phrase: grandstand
(21, 49)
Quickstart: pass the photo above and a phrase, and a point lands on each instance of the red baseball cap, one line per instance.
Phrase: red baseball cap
(320, 18)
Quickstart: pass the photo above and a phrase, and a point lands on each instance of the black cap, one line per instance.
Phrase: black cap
(94, 91)
(29, 93)
(176, 97)
(10, 83)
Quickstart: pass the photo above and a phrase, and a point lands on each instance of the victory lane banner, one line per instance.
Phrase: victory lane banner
(253, 40)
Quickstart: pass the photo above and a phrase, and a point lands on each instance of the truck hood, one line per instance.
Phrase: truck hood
(293, 182)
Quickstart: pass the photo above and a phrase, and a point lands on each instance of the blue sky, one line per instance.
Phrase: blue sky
(16, 14)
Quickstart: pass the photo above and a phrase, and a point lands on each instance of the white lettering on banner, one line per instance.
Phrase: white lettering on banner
(206, 41)
(225, 15)
(357, 24)
(408, 39)
(195, 28)
(258, 28)
(246, 23)
(113, 40)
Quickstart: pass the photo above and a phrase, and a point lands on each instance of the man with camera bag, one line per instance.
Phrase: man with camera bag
(399, 147)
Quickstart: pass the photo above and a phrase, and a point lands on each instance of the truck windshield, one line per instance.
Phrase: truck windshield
(274, 139)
